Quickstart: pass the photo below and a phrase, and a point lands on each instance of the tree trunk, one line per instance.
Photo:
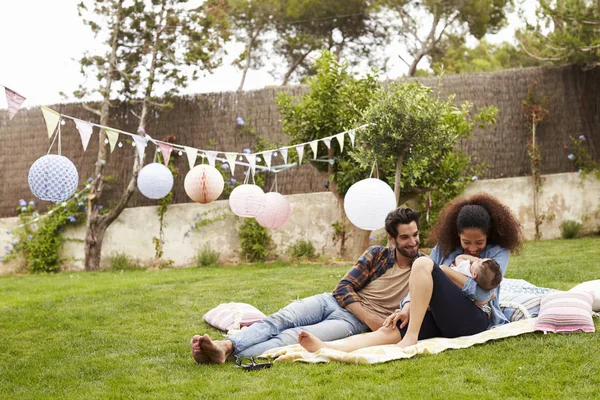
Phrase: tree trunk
(251, 39)
(293, 67)
(397, 179)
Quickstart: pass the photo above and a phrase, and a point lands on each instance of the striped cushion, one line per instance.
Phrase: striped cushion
(518, 306)
(566, 312)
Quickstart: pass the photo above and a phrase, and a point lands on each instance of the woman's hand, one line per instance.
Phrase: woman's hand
(398, 315)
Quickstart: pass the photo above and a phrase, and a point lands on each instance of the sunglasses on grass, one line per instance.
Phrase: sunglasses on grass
(252, 363)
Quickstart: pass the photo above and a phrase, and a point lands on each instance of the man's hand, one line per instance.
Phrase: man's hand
(398, 315)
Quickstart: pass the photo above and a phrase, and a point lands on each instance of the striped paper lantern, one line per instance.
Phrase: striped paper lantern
(53, 178)
(368, 202)
(276, 211)
(204, 184)
(155, 181)
(246, 200)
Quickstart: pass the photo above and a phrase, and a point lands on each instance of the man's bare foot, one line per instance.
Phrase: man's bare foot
(216, 351)
(310, 342)
(200, 357)
(407, 341)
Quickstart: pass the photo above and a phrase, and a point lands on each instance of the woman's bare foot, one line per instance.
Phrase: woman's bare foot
(310, 342)
(200, 357)
(407, 341)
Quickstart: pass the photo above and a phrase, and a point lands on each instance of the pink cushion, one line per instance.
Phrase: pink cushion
(566, 312)
(229, 316)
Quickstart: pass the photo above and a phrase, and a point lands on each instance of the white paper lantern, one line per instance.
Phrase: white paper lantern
(204, 184)
(368, 202)
(246, 200)
(155, 181)
(53, 178)
(276, 211)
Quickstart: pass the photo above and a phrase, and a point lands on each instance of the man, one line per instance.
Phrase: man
(367, 294)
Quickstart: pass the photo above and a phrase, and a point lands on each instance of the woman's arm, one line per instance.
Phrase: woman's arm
(474, 292)
(456, 277)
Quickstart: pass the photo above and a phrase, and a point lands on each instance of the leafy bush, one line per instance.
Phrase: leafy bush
(120, 261)
(303, 248)
(255, 241)
(206, 257)
(570, 229)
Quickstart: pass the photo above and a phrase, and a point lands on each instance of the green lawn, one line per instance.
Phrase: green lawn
(125, 335)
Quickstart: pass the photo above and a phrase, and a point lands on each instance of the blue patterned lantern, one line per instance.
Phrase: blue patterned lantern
(53, 178)
(155, 181)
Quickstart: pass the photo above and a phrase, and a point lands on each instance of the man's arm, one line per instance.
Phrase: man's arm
(372, 321)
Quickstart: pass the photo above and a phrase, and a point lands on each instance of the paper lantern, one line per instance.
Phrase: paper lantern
(246, 200)
(368, 202)
(53, 178)
(155, 181)
(204, 184)
(276, 211)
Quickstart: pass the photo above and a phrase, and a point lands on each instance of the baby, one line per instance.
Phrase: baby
(485, 271)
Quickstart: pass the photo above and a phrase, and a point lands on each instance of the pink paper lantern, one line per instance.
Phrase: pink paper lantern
(246, 200)
(276, 211)
(204, 184)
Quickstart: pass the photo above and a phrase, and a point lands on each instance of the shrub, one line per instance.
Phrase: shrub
(255, 240)
(206, 257)
(570, 229)
(303, 248)
(119, 261)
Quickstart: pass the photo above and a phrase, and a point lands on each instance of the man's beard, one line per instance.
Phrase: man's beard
(412, 253)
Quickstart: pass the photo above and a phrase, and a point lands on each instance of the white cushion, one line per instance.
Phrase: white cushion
(590, 286)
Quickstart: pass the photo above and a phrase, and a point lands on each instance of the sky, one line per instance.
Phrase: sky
(43, 39)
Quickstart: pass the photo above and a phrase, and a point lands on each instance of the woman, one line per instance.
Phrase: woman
(478, 227)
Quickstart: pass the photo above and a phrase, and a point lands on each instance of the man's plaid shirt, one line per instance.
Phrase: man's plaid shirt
(374, 262)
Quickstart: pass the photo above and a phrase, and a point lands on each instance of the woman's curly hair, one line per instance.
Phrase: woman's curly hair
(500, 226)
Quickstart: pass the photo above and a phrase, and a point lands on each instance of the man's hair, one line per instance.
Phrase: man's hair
(490, 276)
(401, 215)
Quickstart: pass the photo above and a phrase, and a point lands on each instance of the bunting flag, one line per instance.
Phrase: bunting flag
(252, 161)
(340, 137)
(231, 160)
(284, 153)
(113, 138)
(166, 150)
(314, 145)
(52, 118)
(211, 155)
(192, 154)
(267, 156)
(85, 132)
(14, 101)
(140, 144)
(352, 133)
(327, 142)
(300, 150)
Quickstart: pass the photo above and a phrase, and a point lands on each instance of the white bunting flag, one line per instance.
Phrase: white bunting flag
(85, 131)
(267, 157)
(113, 138)
(327, 142)
(300, 150)
(352, 133)
(252, 161)
(211, 155)
(14, 101)
(314, 145)
(340, 138)
(192, 154)
(166, 150)
(52, 118)
(284, 153)
(231, 160)
(140, 144)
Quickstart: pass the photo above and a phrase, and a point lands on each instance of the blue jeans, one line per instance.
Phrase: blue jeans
(320, 315)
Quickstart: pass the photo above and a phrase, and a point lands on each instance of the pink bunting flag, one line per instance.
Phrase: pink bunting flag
(284, 154)
(166, 150)
(14, 101)
(85, 131)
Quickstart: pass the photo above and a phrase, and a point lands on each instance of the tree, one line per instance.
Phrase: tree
(445, 19)
(565, 32)
(334, 104)
(147, 42)
(413, 134)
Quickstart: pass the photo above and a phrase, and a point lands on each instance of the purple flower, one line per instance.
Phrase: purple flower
(240, 121)
(29, 237)
(36, 214)
(22, 203)
(371, 238)
(225, 166)
(72, 219)
(246, 151)
(580, 171)
(233, 181)
(90, 179)
(582, 137)
(84, 197)
(474, 178)
(100, 207)
(6, 247)
(187, 234)
(80, 204)
(15, 242)
(571, 156)
(32, 203)
(9, 232)
(23, 209)
(245, 172)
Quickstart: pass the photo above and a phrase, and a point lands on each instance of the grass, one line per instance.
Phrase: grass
(125, 334)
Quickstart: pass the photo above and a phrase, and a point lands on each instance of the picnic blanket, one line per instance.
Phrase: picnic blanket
(380, 354)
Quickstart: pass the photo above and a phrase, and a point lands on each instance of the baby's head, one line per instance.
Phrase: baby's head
(487, 273)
